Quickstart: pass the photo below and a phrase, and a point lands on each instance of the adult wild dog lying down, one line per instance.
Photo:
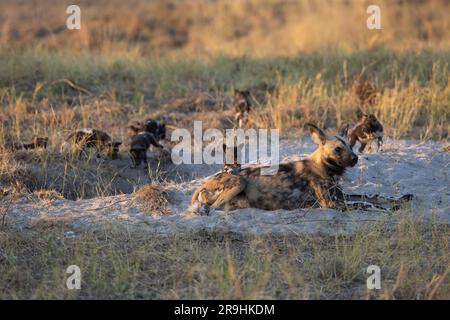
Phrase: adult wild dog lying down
(223, 183)
(312, 182)
(144, 135)
(86, 138)
(366, 131)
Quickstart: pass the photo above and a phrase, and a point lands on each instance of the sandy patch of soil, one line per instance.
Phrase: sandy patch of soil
(402, 167)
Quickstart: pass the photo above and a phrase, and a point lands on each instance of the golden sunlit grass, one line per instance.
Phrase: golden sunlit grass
(263, 28)
(412, 99)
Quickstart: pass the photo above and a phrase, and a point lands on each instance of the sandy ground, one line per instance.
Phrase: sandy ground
(401, 167)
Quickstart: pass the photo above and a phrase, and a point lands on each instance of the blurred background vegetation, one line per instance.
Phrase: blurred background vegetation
(266, 28)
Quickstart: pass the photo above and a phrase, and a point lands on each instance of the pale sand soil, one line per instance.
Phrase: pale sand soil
(422, 169)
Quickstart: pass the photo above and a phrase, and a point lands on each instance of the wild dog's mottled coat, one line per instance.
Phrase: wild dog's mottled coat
(368, 130)
(97, 139)
(224, 185)
(154, 127)
(307, 183)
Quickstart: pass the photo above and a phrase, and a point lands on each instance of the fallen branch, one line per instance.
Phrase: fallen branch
(72, 85)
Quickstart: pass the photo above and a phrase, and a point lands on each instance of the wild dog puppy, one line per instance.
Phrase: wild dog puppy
(37, 142)
(139, 146)
(312, 182)
(242, 106)
(154, 127)
(92, 138)
(221, 186)
(134, 128)
(366, 131)
(157, 128)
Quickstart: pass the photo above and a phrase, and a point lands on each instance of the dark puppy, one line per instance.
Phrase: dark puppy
(37, 142)
(134, 128)
(139, 146)
(154, 127)
(93, 138)
(367, 130)
(241, 106)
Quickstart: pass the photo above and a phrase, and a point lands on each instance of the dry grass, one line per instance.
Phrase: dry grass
(250, 27)
(37, 170)
(413, 257)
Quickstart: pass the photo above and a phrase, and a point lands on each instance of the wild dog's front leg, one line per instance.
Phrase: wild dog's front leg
(323, 194)
(378, 201)
(379, 143)
(362, 147)
(228, 194)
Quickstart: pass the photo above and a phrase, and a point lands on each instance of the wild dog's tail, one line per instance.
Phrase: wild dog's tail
(228, 194)
(343, 130)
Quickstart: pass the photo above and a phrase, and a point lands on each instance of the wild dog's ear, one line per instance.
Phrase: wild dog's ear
(318, 135)
(343, 131)
(135, 126)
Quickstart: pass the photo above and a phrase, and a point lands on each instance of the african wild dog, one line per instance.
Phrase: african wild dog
(227, 181)
(311, 182)
(242, 106)
(366, 131)
(37, 142)
(154, 127)
(139, 146)
(93, 138)
(144, 135)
